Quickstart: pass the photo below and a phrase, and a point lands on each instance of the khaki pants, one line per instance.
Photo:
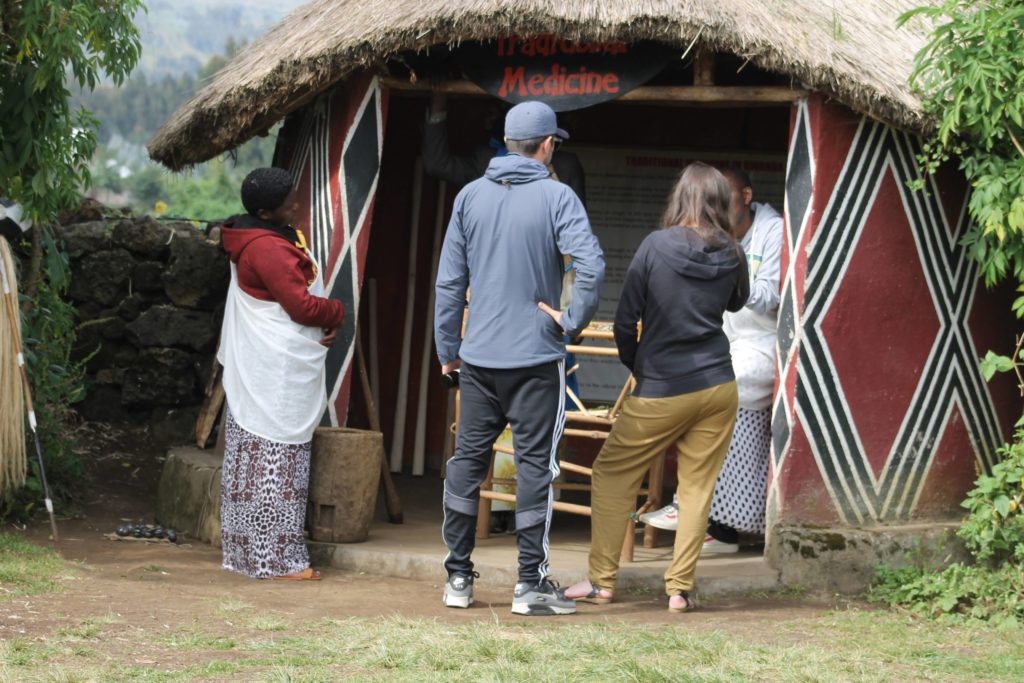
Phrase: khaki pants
(700, 424)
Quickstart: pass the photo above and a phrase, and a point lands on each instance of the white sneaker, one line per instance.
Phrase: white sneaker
(712, 546)
(666, 518)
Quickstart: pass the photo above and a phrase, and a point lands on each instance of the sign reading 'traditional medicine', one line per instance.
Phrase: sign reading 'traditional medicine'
(564, 73)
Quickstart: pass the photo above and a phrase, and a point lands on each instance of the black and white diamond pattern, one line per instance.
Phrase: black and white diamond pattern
(799, 185)
(357, 180)
(950, 376)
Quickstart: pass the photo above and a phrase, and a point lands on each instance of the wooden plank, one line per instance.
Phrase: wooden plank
(736, 95)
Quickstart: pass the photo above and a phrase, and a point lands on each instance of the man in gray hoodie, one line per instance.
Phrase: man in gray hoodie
(503, 251)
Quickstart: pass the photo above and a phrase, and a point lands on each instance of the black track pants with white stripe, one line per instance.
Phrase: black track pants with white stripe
(532, 401)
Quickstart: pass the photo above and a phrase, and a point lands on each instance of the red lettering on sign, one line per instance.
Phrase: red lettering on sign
(536, 85)
(557, 83)
(514, 78)
(548, 45)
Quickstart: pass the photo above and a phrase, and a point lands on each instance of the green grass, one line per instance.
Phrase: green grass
(851, 645)
(28, 569)
(196, 639)
(247, 644)
(232, 606)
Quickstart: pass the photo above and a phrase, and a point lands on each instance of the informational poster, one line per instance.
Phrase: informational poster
(626, 193)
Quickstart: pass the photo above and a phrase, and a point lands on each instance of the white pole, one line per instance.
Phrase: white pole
(419, 447)
(398, 435)
(374, 350)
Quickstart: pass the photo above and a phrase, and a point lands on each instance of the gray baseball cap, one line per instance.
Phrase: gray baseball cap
(529, 120)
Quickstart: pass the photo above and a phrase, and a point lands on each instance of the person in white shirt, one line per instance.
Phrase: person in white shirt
(739, 500)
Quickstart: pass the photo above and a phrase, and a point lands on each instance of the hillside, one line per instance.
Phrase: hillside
(180, 37)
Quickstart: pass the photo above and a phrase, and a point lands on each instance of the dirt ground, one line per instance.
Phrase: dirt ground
(136, 587)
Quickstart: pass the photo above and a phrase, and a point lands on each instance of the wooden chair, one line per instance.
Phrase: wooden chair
(587, 423)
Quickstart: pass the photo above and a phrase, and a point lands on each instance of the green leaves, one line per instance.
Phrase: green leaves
(970, 76)
(994, 528)
(46, 145)
(993, 363)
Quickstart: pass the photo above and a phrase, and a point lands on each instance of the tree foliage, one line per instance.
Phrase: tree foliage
(970, 76)
(45, 144)
(131, 114)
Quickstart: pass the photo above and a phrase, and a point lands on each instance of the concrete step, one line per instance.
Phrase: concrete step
(495, 558)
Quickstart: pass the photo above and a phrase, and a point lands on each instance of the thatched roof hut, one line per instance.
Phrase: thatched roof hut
(851, 51)
(880, 413)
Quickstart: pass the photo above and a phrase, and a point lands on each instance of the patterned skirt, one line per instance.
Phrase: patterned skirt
(743, 483)
(264, 488)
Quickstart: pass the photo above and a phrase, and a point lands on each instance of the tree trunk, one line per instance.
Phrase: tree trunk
(35, 268)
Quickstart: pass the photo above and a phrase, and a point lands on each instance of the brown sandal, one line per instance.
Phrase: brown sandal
(307, 574)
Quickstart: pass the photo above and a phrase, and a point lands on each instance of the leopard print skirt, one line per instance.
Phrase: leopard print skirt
(264, 488)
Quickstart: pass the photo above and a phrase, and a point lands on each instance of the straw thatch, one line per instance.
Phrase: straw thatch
(848, 49)
(12, 397)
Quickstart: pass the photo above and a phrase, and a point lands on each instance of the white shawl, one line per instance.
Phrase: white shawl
(274, 376)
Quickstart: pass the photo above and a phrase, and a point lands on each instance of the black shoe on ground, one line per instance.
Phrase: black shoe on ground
(458, 590)
(541, 599)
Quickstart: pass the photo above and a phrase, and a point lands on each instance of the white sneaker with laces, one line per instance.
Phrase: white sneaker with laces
(666, 518)
(712, 546)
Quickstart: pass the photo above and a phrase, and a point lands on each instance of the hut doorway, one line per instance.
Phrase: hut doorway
(631, 150)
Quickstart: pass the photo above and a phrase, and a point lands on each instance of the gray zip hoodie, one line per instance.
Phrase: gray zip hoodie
(505, 243)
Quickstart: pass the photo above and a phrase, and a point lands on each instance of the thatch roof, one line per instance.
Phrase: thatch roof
(848, 49)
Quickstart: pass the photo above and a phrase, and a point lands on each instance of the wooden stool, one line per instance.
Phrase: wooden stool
(592, 424)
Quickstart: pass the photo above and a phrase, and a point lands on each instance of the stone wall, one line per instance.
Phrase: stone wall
(149, 298)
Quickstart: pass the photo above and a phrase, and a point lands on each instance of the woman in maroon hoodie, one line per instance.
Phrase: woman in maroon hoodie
(277, 328)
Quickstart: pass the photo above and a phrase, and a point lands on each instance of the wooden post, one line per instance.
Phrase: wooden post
(704, 67)
(398, 433)
(483, 512)
(655, 480)
(374, 347)
(426, 362)
(391, 500)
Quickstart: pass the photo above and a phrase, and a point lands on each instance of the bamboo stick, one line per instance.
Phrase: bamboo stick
(577, 469)
(588, 418)
(592, 350)
(586, 433)
(557, 505)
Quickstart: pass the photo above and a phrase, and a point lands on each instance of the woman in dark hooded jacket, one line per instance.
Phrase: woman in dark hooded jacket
(680, 282)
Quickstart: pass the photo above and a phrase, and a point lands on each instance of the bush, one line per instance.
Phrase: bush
(48, 332)
(994, 529)
(993, 587)
(972, 591)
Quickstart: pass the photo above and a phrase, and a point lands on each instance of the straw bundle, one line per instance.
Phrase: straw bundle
(12, 400)
(849, 50)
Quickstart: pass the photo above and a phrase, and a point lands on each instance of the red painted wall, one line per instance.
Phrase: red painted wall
(332, 148)
(881, 413)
